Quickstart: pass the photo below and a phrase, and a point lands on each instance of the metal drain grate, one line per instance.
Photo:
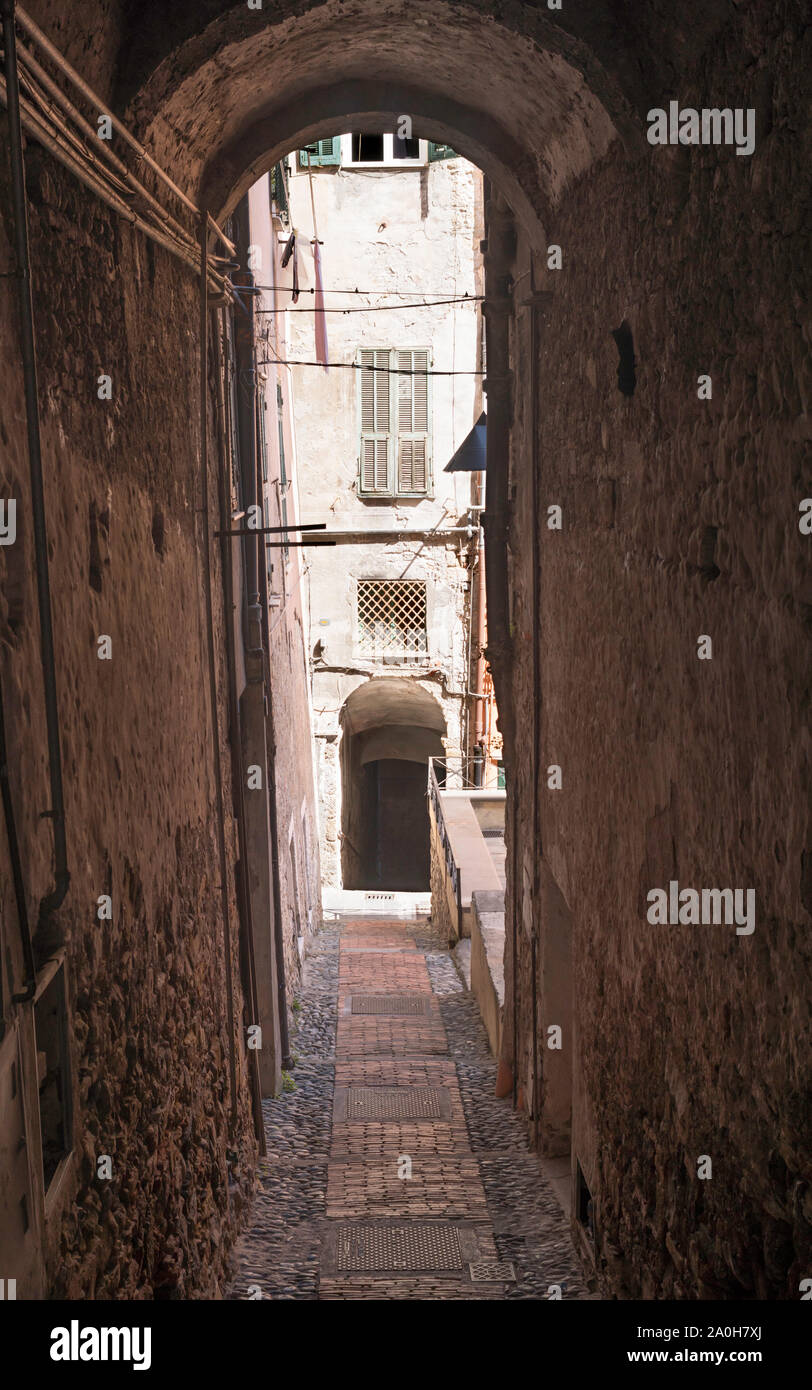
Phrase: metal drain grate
(414, 1248)
(395, 1103)
(493, 832)
(389, 1005)
(382, 1103)
(492, 1272)
(379, 897)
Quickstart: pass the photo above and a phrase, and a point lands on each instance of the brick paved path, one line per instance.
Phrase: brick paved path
(392, 1172)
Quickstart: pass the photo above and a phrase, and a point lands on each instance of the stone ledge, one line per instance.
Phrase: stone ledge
(487, 960)
(472, 858)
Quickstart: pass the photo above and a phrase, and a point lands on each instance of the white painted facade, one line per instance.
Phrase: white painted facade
(399, 236)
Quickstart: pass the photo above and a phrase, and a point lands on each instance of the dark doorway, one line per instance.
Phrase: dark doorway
(390, 728)
(395, 826)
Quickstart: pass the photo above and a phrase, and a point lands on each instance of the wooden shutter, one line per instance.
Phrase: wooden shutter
(440, 152)
(374, 399)
(413, 421)
(321, 152)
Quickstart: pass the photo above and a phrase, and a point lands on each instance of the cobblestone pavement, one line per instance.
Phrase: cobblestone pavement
(392, 1171)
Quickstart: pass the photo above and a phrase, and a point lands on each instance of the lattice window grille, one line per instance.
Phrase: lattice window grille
(392, 620)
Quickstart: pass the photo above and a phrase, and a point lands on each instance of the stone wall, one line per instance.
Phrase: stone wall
(680, 518)
(441, 888)
(147, 1013)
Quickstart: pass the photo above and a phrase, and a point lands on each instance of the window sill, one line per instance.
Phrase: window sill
(384, 164)
(395, 497)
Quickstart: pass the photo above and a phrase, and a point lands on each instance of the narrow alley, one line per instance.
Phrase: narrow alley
(391, 1170)
(405, 526)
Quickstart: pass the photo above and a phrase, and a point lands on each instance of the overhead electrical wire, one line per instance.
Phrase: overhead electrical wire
(359, 367)
(464, 298)
(374, 308)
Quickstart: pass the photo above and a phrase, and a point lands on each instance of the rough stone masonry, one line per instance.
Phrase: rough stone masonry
(680, 519)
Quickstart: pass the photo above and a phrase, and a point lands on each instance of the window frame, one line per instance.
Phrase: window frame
(320, 158)
(388, 161)
(340, 154)
(392, 491)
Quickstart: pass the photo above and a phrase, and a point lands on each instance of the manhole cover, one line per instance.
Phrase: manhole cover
(412, 1247)
(396, 1103)
(388, 1004)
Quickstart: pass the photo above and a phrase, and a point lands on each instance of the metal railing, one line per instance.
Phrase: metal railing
(438, 782)
(452, 871)
(467, 777)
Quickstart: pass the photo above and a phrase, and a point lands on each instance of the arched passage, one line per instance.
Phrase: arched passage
(530, 103)
(390, 729)
(670, 766)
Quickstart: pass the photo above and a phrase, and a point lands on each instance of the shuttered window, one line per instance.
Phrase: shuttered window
(437, 151)
(321, 152)
(395, 422)
(375, 417)
(413, 421)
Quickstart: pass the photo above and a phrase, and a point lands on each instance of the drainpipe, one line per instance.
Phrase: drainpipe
(16, 862)
(536, 302)
(53, 900)
(482, 608)
(497, 308)
(244, 330)
(279, 945)
(243, 893)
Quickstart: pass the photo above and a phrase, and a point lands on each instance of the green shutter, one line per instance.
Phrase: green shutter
(374, 424)
(414, 421)
(441, 152)
(321, 152)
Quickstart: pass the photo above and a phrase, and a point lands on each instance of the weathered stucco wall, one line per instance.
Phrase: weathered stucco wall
(680, 518)
(287, 585)
(410, 230)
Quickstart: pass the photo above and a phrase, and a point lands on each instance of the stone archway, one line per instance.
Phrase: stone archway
(666, 760)
(390, 729)
(220, 96)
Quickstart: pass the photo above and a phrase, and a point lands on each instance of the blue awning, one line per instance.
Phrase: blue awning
(470, 457)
